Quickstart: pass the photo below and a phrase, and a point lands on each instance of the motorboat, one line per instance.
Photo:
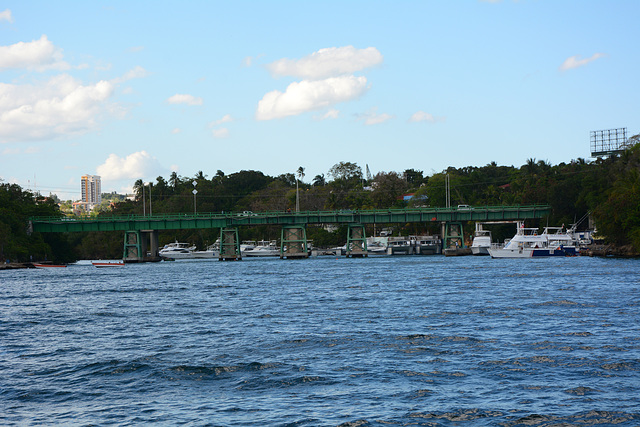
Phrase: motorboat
(481, 242)
(212, 251)
(377, 245)
(263, 248)
(177, 250)
(36, 265)
(102, 264)
(399, 246)
(528, 243)
(426, 245)
(247, 246)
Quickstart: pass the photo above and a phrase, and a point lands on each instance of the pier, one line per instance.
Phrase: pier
(141, 231)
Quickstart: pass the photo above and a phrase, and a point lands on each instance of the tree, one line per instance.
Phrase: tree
(346, 171)
(319, 180)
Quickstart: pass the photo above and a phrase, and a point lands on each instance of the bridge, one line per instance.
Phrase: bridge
(142, 229)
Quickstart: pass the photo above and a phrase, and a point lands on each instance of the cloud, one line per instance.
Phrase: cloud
(575, 61)
(184, 99)
(6, 16)
(225, 119)
(139, 165)
(331, 114)
(39, 55)
(306, 95)
(372, 117)
(332, 61)
(421, 116)
(221, 133)
(60, 106)
(176, 131)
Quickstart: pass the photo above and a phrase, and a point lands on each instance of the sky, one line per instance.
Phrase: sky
(132, 90)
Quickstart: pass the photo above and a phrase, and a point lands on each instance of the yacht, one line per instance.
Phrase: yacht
(263, 248)
(481, 242)
(527, 243)
(212, 251)
(177, 250)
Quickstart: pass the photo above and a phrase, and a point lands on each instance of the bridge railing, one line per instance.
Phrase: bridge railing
(324, 213)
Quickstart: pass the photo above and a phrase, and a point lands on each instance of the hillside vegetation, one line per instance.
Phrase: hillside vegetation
(608, 189)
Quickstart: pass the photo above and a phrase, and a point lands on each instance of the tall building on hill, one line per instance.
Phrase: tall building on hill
(91, 191)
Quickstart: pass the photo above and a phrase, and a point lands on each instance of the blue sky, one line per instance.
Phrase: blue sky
(137, 89)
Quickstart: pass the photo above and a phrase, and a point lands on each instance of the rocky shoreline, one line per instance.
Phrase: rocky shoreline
(613, 251)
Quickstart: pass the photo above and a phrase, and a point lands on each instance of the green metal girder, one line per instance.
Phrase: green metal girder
(220, 220)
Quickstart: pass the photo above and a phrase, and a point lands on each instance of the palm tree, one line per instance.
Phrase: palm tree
(319, 180)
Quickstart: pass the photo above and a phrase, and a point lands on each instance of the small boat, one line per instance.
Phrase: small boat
(49, 265)
(177, 250)
(527, 243)
(101, 264)
(481, 241)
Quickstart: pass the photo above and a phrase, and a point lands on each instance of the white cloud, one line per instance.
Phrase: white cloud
(372, 117)
(306, 95)
(176, 131)
(331, 114)
(221, 133)
(60, 106)
(576, 62)
(184, 99)
(332, 61)
(6, 16)
(139, 165)
(135, 73)
(36, 55)
(225, 119)
(421, 116)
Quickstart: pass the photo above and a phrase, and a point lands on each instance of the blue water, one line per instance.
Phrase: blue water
(435, 341)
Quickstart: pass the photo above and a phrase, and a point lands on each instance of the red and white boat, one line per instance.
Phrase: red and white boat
(48, 265)
(101, 264)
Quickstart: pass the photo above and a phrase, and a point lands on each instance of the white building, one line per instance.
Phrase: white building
(91, 190)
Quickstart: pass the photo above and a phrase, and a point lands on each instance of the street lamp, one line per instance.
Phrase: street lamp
(150, 208)
(144, 202)
(194, 195)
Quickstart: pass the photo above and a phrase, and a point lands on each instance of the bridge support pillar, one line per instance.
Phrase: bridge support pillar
(133, 250)
(356, 241)
(293, 242)
(229, 245)
(453, 235)
(137, 243)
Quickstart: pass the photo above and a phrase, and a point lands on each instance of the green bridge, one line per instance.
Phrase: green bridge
(141, 231)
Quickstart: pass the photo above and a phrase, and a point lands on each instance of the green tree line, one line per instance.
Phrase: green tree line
(607, 188)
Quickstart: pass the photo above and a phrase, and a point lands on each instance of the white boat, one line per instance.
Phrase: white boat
(212, 251)
(247, 246)
(377, 245)
(176, 250)
(262, 248)
(527, 243)
(481, 242)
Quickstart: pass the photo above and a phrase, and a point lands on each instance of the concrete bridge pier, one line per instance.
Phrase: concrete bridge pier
(356, 241)
(453, 235)
(293, 242)
(141, 246)
(229, 245)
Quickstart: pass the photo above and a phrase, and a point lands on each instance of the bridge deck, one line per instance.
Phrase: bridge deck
(221, 220)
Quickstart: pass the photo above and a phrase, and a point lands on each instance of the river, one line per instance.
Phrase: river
(434, 341)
